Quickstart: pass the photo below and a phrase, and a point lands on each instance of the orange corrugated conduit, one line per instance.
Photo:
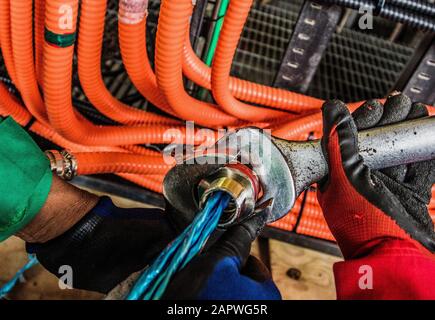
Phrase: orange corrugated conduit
(118, 162)
(39, 16)
(57, 89)
(173, 24)
(220, 77)
(141, 150)
(10, 106)
(172, 27)
(255, 93)
(132, 43)
(90, 42)
(22, 50)
(89, 164)
(5, 39)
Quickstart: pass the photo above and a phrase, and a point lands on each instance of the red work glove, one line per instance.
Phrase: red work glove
(361, 206)
(379, 218)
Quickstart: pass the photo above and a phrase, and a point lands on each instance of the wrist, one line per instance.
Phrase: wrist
(64, 207)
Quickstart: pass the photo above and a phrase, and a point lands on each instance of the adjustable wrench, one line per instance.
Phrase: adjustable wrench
(261, 172)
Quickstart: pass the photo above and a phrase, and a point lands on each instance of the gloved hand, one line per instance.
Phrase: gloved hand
(365, 207)
(225, 270)
(107, 245)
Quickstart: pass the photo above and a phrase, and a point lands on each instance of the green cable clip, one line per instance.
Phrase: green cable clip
(60, 40)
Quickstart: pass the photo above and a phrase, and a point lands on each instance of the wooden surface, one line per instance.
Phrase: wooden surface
(316, 281)
(316, 277)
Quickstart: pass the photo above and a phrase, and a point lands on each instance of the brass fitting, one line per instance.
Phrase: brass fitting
(240, 183)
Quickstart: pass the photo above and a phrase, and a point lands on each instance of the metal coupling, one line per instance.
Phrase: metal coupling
(240, 183)
(62, 163)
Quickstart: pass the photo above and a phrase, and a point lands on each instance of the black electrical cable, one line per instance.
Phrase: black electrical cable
(412, 19)
(388, 11)
(422, 7)
(9, 84)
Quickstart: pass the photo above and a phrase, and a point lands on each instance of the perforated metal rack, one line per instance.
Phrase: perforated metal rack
(263, 42)
(359, 67)
(356, 66)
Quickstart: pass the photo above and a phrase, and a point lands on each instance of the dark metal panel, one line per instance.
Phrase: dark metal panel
(356, 66)
(316, 24)
(421, 85)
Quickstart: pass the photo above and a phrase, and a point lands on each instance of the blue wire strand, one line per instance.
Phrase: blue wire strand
(197, 238)
(150, 276)
(204, 235)
(7, 287)
(153, 281)
(190, 237)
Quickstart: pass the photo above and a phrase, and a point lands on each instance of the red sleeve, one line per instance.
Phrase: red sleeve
(394, 269)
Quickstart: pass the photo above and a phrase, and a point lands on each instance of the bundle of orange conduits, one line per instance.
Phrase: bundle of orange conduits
(38, 39)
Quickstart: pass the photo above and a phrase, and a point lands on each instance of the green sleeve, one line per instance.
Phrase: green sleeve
(25, 178)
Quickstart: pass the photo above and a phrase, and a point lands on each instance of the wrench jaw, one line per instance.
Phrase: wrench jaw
(286, 168)
(251, 169)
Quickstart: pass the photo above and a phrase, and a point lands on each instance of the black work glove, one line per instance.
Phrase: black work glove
(225, 270)
(364, 207)
(107, 245)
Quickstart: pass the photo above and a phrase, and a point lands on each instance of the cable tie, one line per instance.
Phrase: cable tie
(216, 19)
